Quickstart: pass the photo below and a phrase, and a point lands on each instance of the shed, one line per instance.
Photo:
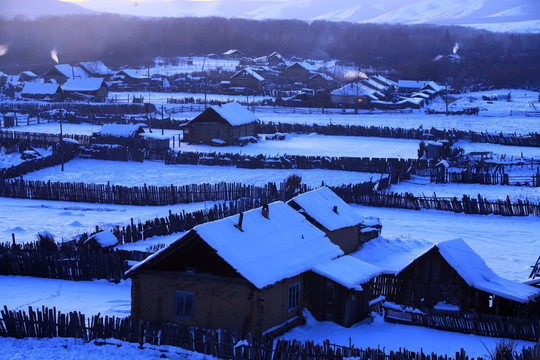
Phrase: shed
(328, 212)
(227, 123)
(101, 240)
(451, 272)
(121, 130)
(244, 272)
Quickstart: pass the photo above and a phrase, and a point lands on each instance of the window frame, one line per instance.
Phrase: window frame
(184, 295)
(294, 296)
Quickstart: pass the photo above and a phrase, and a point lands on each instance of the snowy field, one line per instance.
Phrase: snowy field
(12, 159)
(25, 217)
(420, 186)
(157, 173)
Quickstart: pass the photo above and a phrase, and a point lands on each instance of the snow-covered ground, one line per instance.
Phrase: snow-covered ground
(157, 173)
(12, 159)
(25, 217)
(77, 349)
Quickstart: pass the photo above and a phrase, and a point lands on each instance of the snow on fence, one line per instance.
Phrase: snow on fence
(469, 323)
(223, 344)
(531, 139)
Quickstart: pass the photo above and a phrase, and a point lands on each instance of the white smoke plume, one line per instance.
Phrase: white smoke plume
(456, 48)
(3, 49)
(54, 55)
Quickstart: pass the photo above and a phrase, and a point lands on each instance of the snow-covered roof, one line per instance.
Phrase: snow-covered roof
(120, 130)
(95, 67)
(319, 205)
(412, 84)
(134, 74)
(433, 85)
(323, 75)
(71, 71)
(374, 84)
(28, 73)
(267, 249)
(39, 89)
(104, 239)
(233, 52)
(235, 114)
(348, 271)
(475, 272)
(251, 72)
(88, 84)
(384, 80)
(420, 95)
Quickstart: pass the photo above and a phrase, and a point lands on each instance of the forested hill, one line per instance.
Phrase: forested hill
(495, 59)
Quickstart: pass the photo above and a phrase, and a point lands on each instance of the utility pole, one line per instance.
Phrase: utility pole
(61, 142)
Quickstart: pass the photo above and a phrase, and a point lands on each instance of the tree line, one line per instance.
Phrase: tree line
(402, 51)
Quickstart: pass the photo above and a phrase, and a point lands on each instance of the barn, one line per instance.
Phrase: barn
(251, 272)
(225, 124)
(451, 273)
(328, 212)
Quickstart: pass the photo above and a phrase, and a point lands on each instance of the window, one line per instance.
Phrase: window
(183, 305)
(294, 296)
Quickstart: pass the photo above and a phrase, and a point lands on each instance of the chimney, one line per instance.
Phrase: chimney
(239, 225)
(265, 211)
(335, 209)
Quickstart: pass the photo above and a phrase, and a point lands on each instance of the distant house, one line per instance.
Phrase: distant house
(296, 72)
(408, 87)
(96, 69)
(319, 81)
(329, 213)
(42, 91)
(89, 88)
(451, 273)
(224, 124)
(131, 76)
(275, 59)
(121, 130)
(62, 72)
(253, 272)
(233, 54)
(247, 78)
(356, 95)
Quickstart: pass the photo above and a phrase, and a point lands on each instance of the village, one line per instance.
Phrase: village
(240, 203)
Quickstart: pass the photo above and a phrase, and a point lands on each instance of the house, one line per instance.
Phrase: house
(319, 81)
(250, 272)
(451, 273)
(96, 69)
(27, 76)
(407, 87)
(131, 135)
(42, 91)
(89, 88)
(131, 76)
(225, 124)
(60, 73)
(329, 213)
(355, 94)
(247, 78)
(233, 54)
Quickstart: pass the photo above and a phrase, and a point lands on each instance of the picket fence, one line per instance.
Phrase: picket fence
(482, 177)
(223, 344)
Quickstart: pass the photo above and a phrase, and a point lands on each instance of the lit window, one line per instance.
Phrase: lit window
(294, 296)
(183, 304)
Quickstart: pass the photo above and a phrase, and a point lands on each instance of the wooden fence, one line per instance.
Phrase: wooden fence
(67, 264)
(28, 107)
(466, 204)
(32, 165)
(531, 139)
(489, 178)
(468, 323)
(223, 344)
